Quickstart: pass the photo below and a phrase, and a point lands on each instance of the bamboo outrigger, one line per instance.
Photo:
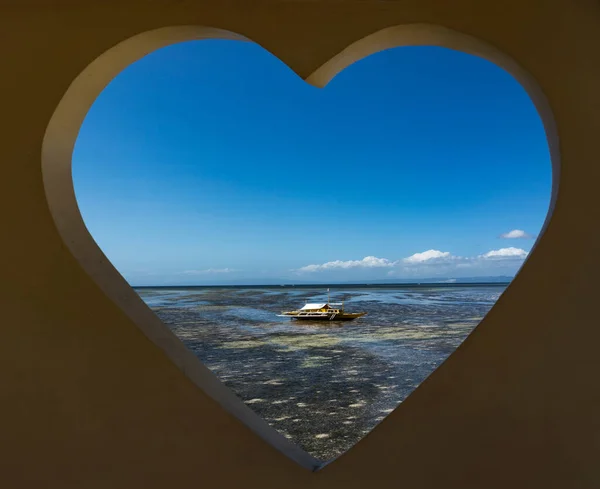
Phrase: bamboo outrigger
(323, 312)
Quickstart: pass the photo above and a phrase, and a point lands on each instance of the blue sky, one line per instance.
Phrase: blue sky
(211, 161)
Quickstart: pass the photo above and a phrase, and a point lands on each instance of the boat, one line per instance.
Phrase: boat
(326, 311)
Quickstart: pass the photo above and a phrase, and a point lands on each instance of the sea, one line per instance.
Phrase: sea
(323, 385)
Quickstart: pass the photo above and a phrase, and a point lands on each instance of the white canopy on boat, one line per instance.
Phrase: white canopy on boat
(313, 306)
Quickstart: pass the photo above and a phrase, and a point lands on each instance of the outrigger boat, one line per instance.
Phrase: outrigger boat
(323, 312)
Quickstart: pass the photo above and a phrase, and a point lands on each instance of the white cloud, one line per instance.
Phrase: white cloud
(505, 253)
(516, 234)
(366, 262)
(426, 256)
(210, 270)
(430, 263)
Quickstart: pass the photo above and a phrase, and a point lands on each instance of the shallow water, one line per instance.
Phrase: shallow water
(323, 385)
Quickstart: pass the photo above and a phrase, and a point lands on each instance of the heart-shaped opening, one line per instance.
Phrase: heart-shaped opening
(369, 387)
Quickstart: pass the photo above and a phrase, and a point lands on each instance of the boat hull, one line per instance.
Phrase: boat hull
(326, 317)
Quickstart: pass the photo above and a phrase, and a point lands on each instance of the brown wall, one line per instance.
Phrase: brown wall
(92, 394)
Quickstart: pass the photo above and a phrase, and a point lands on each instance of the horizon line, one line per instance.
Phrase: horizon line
(322, 284)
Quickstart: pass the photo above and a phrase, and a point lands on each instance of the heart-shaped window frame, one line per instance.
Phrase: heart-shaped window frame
(63, 129)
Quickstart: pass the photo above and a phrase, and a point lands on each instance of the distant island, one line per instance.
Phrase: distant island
(447, 281)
